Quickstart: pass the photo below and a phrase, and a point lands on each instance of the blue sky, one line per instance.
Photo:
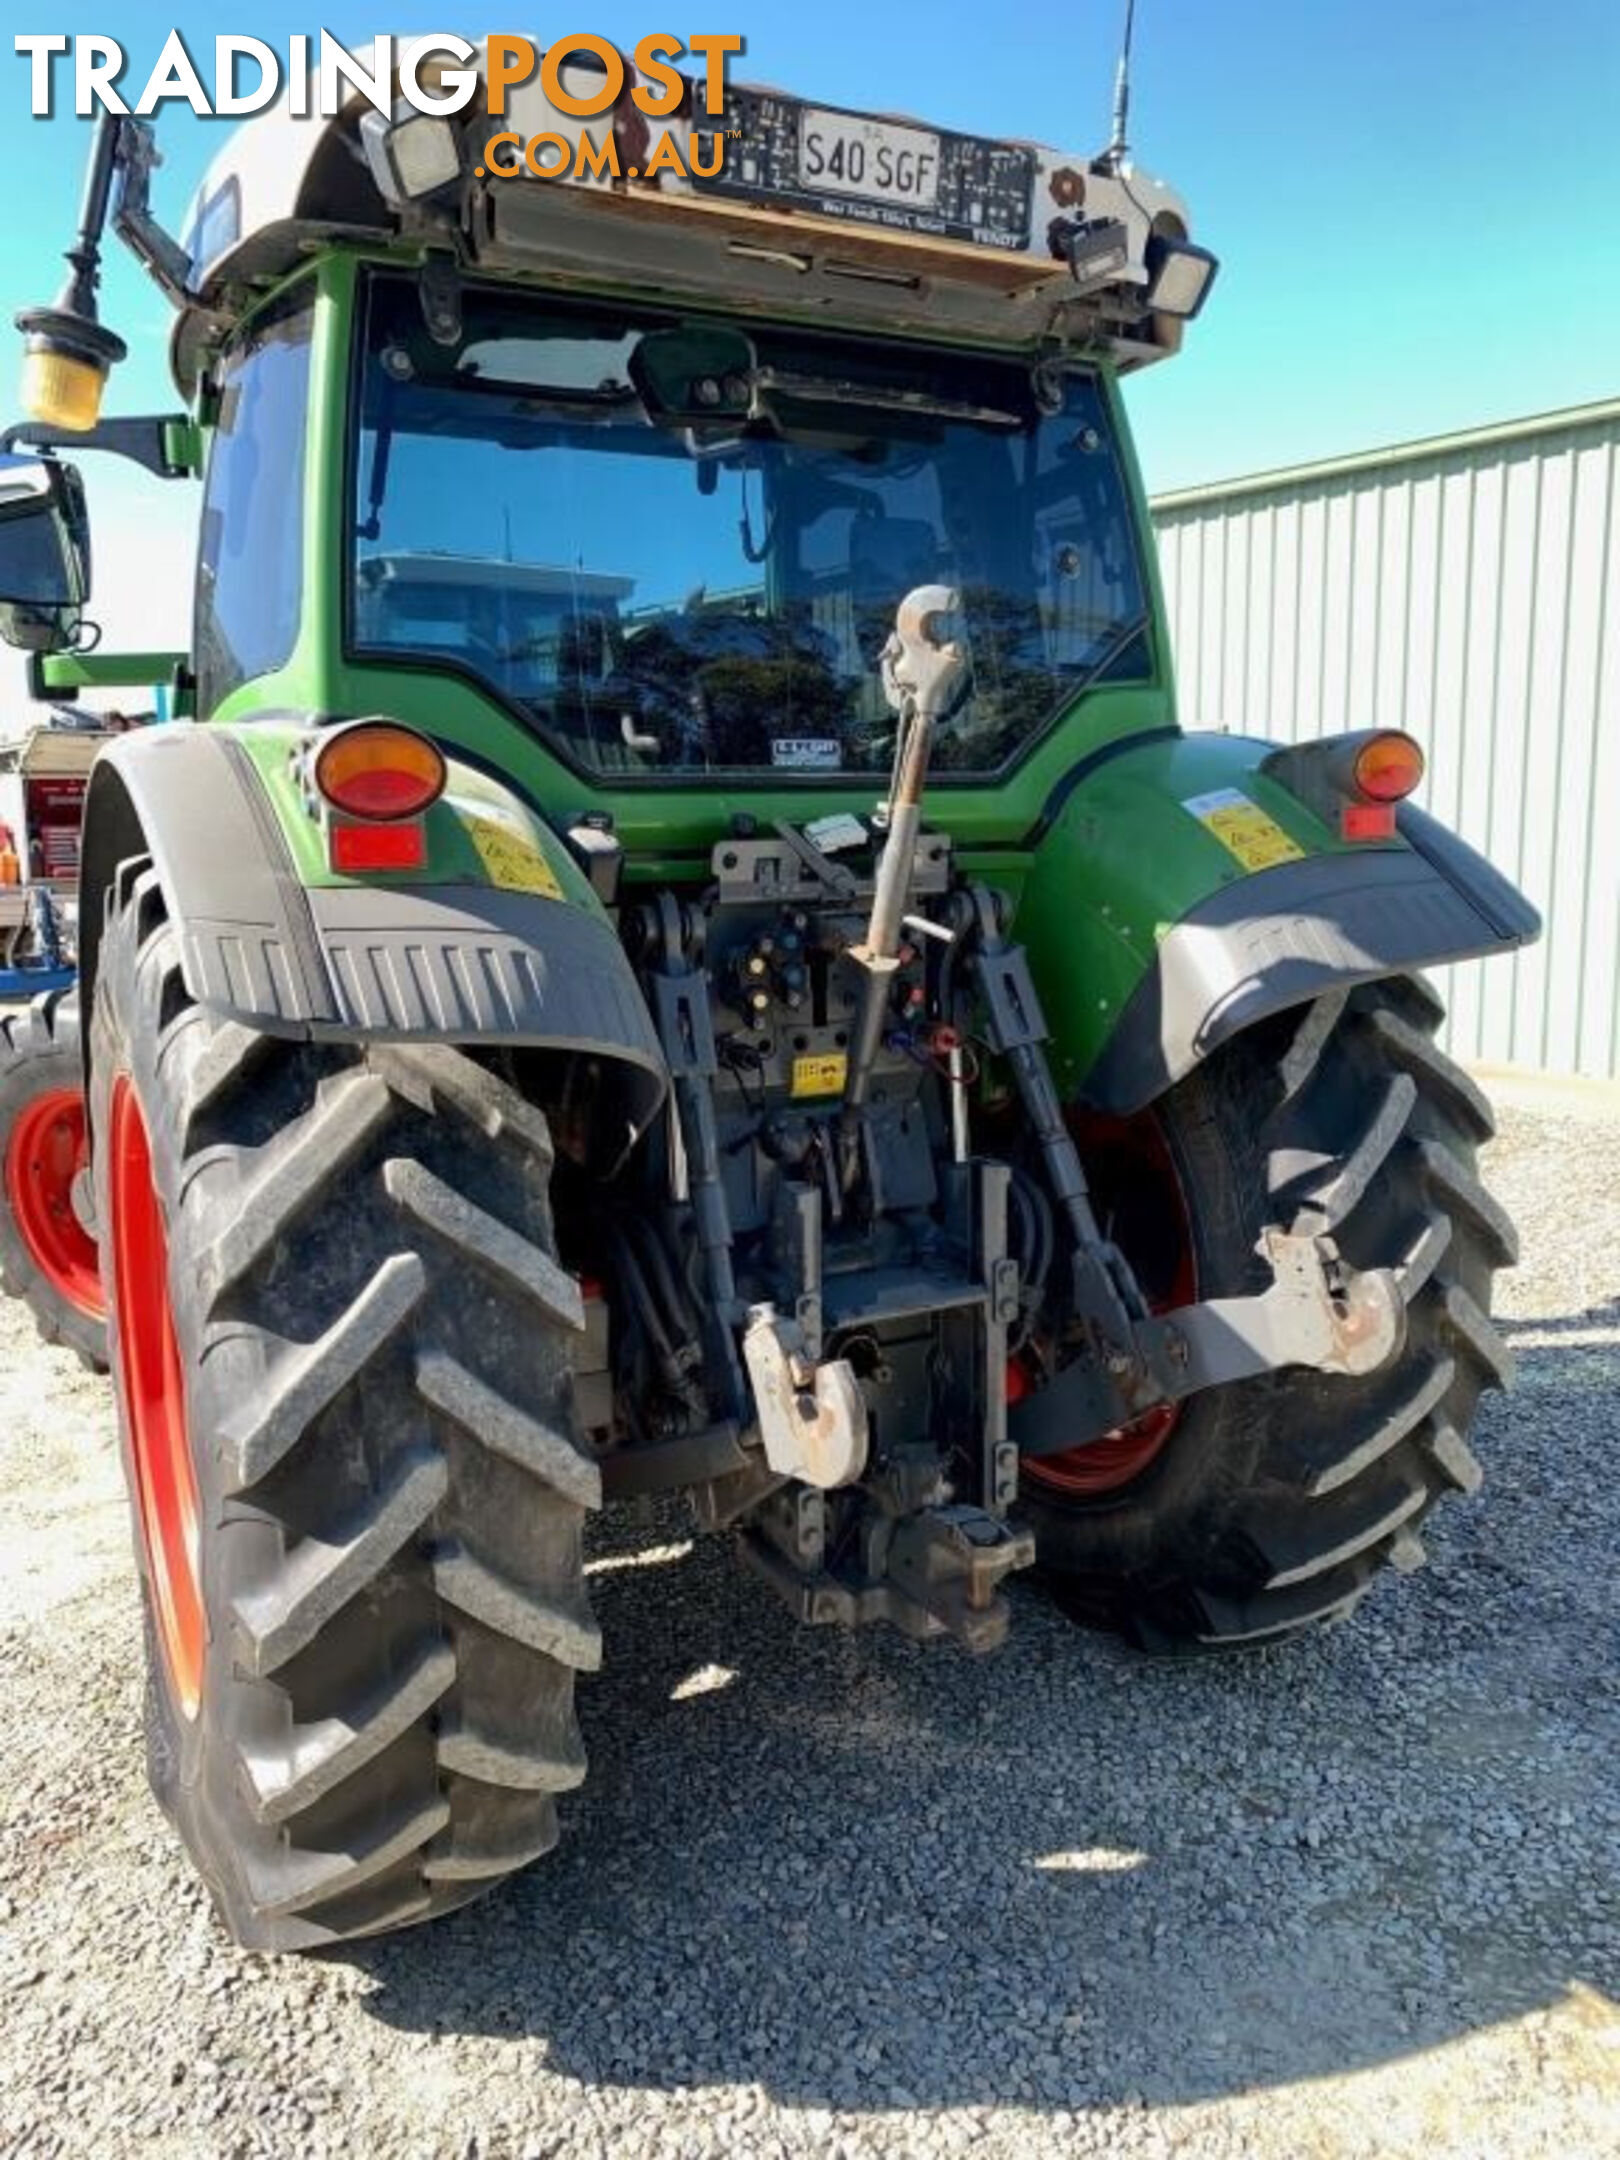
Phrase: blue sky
(1414, 204)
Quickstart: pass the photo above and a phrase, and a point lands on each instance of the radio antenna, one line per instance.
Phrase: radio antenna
(1117, 144)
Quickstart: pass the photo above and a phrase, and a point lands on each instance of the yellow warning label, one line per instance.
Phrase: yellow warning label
(513, 863)
(1243, 828)
(823, 1075)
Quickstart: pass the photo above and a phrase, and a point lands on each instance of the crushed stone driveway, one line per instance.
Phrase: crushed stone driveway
(848, 1897)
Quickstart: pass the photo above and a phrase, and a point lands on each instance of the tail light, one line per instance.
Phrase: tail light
(379, 772)
(1387, 767)
(1353, 782)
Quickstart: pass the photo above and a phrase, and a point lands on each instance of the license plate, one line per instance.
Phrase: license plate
(843, 154)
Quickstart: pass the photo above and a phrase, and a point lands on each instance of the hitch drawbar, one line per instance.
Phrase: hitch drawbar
(1316, 1312)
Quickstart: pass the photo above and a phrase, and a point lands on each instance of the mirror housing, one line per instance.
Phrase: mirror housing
(44, 553)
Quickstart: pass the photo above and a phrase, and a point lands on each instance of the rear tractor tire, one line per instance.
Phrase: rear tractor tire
(1260, 1509)
(47, 1251)
(343, 1350)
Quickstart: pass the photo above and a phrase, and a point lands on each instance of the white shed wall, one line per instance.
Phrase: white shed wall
(1465, 589)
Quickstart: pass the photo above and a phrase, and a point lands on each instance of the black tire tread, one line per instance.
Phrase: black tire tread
(1278, 1503)
(1331, 1192)
(1292, 1547)
(529, 1768)
(1459, 1191)
(1381, 1423)
(310, 1380)
(1412, 1049)
(1451, 1455)
(378, 1344)
(288, 1779)
(320, 1577)
(300, 1881)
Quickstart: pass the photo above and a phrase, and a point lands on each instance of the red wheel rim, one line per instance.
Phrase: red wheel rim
(45, 1152)
(154, 1399)
(1140, 1199)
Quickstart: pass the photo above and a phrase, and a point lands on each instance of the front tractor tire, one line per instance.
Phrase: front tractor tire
(343, 1350)
(47, 1253)
(1260, 1509)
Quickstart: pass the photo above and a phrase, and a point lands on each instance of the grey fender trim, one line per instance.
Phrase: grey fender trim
(1286, 935)
(462, 963)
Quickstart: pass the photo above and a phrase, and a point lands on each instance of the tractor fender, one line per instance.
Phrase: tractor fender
(469, 962)
(1287, 934)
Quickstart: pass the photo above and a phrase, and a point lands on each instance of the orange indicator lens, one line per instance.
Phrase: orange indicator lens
(1388, 767)
(379, 771)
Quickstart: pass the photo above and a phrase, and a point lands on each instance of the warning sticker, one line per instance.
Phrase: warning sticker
(1243, 828)
(513, 863)
(820, 1075)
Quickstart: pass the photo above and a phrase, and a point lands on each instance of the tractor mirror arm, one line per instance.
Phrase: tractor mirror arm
(165, 444)
(166, 261)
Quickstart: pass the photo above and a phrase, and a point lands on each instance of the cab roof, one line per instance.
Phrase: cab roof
(1005, 243)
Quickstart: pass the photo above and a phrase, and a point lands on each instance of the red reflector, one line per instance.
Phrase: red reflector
(1018, 1381)
(378, 847)
(1367, 821)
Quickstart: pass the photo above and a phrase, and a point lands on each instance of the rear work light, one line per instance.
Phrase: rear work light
(1179, 276)
(379, 772)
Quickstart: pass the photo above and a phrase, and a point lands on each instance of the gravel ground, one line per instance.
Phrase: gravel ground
(847, 1897)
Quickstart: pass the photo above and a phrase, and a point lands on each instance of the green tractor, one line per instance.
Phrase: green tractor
(683, 950)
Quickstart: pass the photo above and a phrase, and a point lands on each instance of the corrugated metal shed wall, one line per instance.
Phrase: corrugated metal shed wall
(1465, 588)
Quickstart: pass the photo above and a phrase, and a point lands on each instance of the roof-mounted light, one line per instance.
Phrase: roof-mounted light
(67, 351)
(1096, 250)
(1179, 276)
(412, 156)
(66, 361)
